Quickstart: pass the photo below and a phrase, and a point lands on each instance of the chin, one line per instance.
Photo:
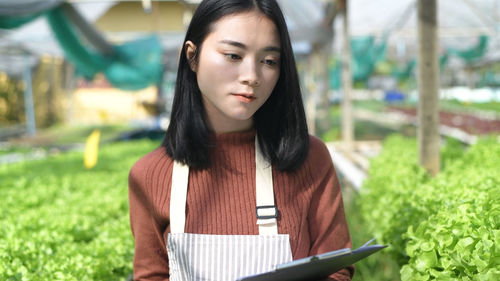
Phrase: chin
(242, 116)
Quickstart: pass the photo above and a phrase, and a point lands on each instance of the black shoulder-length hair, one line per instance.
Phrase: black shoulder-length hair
(280, 123)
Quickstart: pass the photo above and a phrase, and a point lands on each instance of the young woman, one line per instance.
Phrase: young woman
(238, 185)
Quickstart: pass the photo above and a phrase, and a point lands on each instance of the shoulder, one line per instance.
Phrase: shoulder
(318, 160)
(150, 160)
(318, 153)
(148, 167)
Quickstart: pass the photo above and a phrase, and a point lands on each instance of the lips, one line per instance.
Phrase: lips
(245, 97)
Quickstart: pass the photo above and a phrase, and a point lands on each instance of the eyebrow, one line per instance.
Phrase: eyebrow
(243, 46)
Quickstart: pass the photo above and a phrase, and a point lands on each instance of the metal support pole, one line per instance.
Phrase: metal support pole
(312, 92)
(29, 106)
(428, 86)
(347, 115)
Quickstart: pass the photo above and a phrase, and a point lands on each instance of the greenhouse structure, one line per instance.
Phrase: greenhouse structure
(404, 94)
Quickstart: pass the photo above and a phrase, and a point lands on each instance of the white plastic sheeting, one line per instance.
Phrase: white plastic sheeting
(460, 23)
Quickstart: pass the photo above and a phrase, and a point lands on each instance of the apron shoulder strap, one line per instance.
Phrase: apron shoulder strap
(178, 196)
(266, 210)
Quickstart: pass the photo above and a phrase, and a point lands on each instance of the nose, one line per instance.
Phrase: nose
(249, 74)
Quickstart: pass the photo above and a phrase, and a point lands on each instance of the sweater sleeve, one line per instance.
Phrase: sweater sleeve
(327, 221)
(150, 256)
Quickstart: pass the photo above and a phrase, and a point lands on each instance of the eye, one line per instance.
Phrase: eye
(270, 62)
(232, 56)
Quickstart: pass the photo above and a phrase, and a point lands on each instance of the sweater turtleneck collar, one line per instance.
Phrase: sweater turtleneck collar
(235, 138)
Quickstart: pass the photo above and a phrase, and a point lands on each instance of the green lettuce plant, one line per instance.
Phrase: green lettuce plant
(442, 228)
(59, 221)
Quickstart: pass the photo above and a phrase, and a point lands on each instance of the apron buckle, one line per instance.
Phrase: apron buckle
(266, 212)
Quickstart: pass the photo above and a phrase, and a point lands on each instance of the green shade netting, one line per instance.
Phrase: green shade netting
(489, 79)
(474, 53)
(365, 55)
(135, 65)
(443, 59)
(335, 68)
(13, 22)
(138, 66)
(87, 62)
(405, 72)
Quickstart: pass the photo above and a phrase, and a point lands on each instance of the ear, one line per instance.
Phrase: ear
(191, 54)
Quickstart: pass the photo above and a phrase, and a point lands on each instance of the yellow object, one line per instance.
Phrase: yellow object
(91, 150)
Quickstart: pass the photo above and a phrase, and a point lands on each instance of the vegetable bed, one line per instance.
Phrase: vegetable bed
(59, 221)
(466, 122)
(441, 228)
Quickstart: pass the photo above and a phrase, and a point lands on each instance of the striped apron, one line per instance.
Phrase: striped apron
(225, 257)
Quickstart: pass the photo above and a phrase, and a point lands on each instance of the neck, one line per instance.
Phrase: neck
(221, 125)
(232, 128)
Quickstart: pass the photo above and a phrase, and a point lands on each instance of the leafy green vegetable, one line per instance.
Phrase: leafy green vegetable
(442, 228)
(59, 221)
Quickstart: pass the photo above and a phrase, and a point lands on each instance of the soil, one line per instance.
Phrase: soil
(466, 122)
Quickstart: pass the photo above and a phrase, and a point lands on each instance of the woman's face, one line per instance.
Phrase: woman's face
(237, 69)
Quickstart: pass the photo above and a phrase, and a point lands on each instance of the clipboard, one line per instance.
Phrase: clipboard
(316, 267)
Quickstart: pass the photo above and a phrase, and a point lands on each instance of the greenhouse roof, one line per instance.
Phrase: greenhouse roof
(461, 23)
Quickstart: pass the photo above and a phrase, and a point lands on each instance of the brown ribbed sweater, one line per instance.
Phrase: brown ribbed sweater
(221, 200)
